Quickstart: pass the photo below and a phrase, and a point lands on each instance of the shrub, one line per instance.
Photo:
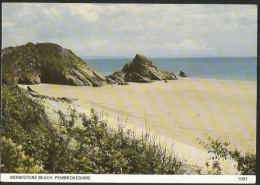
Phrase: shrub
(121, 151)
(14, 160)
(68, 148)
(24, 122)
(246, 163)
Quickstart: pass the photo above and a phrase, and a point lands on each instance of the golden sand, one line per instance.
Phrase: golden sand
(178, 112)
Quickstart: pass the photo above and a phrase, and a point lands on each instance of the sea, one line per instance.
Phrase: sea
(223, 68)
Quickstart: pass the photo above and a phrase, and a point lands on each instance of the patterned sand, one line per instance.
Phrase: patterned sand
(178, 112)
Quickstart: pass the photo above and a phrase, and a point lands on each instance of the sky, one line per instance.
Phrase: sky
(154, 30)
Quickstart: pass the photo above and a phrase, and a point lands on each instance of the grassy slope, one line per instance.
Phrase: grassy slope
(63, 147)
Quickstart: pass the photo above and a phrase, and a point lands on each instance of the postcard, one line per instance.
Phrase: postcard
(129, 93)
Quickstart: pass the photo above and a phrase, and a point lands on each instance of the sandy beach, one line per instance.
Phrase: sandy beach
(178, 112)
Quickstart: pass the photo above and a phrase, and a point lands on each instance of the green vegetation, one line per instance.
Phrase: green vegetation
(246, 163)
(46, 63)
(65, 148)
(18, 162)
(31, 143)
(25, 123)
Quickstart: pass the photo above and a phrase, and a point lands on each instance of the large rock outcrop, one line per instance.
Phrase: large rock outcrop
(46, 63)
(142, 70)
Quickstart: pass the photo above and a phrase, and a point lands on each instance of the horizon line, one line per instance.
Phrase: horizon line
(115, 57)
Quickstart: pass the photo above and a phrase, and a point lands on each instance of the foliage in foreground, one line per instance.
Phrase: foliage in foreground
(17, 160)
(33, 144)
(66, 148)
(246, 163)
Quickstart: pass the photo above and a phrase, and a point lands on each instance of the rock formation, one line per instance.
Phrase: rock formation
(46, 63)
(142, 70)
(183, 74)
(117, 78)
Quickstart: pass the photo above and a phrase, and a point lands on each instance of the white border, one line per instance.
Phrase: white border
(100, 178)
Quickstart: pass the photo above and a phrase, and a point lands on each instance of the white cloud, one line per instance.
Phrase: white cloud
(85, 12)
(126, 29)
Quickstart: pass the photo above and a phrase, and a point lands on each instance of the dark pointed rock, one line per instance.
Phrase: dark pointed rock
(183, 74)
(30, 89)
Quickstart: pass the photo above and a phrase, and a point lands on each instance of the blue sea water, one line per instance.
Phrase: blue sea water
(224, 68)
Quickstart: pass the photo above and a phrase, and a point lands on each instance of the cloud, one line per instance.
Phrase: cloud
(126, 29)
